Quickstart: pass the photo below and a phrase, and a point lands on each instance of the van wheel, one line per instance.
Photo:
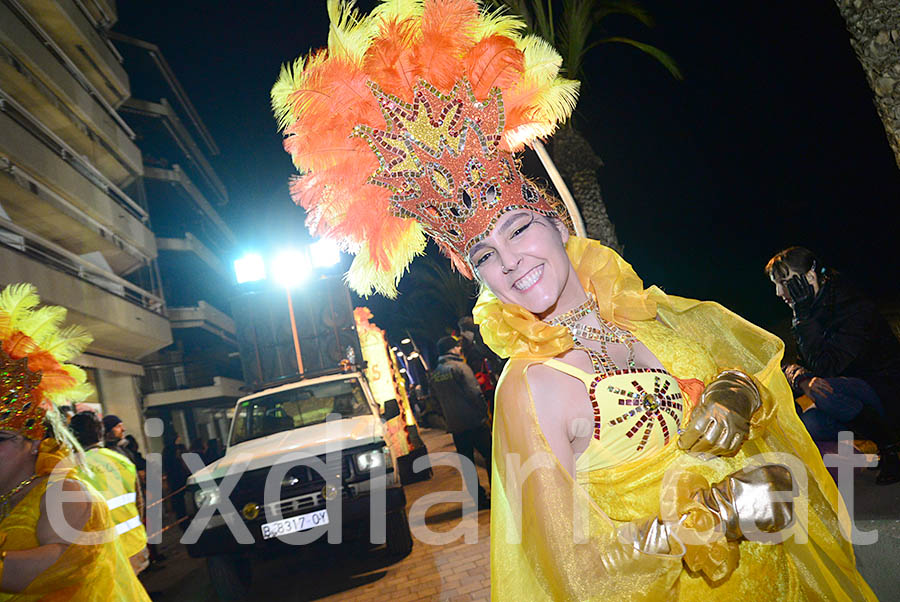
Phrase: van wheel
(399, 539)
(230, 576)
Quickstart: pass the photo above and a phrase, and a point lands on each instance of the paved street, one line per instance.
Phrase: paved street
(457, 571)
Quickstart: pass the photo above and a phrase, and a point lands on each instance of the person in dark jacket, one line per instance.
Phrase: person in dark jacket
(457, 390)
(114, 436)
(849, 360)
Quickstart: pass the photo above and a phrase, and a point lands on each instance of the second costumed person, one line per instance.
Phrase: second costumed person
(644, 445)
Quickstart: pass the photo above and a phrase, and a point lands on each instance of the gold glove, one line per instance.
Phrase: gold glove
(745, 504)
(634, 539)
(721, 422)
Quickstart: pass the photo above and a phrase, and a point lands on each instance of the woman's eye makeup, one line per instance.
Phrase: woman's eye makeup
(521, 228)
(479, 261)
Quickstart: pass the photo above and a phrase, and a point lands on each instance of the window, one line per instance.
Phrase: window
(299, 407)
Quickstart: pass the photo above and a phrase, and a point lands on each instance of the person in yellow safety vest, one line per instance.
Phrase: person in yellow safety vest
(115, 477)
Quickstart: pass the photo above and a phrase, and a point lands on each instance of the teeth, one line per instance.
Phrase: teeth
(529, 279)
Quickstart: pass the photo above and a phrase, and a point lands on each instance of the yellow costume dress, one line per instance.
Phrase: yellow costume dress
(89, 572)
(556, 538)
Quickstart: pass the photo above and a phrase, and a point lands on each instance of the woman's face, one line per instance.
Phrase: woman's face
(523, 261)
(17, 456)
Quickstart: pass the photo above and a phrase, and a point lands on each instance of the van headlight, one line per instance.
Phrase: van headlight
(206, 497)
(374, 458)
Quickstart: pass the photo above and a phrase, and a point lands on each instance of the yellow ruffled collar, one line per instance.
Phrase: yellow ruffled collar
(511, 331)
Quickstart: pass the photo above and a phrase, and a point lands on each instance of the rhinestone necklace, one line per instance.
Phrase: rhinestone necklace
(7, 497)
(608, 333)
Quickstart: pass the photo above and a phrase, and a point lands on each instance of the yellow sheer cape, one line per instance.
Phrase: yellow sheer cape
(534, 554)
(92, 572)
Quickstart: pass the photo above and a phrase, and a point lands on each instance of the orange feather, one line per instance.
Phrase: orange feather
(494, 62)
(19, 345)
(388, 60)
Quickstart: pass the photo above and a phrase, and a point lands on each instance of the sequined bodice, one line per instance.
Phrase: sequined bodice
(637, 411)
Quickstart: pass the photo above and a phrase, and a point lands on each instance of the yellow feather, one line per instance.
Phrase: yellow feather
(288, 81)
(42, 323)
(559, 99)
(398, 9)
(498, 22)
(366, 279)
(16, 303)
(68, 342)
(71, 395)
(542, 61)
(349, 34)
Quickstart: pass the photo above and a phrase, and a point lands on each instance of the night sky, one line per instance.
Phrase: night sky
(771, 140)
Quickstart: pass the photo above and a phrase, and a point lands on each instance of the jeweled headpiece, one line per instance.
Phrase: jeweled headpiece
(406, 125)
(32, 373)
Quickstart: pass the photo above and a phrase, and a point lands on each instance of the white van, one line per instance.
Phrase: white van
(275, 423)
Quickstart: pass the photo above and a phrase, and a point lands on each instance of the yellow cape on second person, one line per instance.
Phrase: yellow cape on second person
(86, 572)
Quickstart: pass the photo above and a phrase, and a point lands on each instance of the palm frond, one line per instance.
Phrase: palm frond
(667, 61)
(623, 7)
(574, 31)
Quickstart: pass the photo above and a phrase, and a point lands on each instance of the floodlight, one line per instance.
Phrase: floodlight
(402, 370)
(291, 267)
(324, 253)
(413, 355)
(393, 349)
(405, 342)
(249, 268)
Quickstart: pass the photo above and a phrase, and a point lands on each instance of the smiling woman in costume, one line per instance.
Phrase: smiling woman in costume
(626, 420)
(38, 559)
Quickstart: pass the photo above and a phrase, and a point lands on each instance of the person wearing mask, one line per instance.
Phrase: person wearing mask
(464, 408)
(848, 373)
(115, 477)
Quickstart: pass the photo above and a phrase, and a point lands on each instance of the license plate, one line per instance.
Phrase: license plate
(303, 522)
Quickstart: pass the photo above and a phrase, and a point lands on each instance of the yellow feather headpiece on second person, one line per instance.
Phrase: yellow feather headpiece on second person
(33, 375)
(406, 125)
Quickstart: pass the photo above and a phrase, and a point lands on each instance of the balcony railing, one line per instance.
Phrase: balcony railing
(187, 375)
(59, 146)
(59, 258)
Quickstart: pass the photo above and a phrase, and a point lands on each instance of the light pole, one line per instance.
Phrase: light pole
(289, 269)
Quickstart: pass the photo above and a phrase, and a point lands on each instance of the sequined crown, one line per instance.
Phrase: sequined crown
(405, 125)
(440, 157)
(33, 348)
(20, 398)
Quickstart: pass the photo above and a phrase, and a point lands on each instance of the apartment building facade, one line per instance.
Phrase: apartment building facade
(70, 222)
(103, 197)
(193, 383)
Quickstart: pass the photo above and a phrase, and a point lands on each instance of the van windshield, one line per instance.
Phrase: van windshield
(295, 408)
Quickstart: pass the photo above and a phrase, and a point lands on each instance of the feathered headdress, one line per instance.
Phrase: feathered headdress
(32, 374)
(406, 123)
